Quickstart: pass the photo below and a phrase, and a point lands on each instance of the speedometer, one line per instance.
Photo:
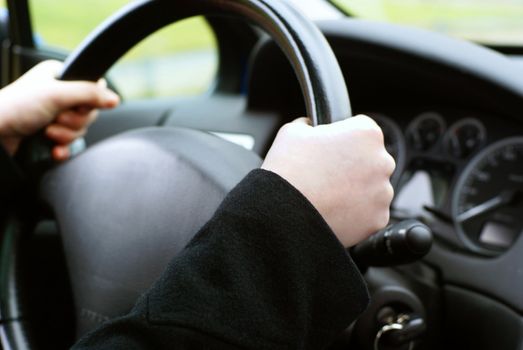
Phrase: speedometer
(487, 205)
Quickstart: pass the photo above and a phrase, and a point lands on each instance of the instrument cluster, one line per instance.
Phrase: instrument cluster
(461, 174)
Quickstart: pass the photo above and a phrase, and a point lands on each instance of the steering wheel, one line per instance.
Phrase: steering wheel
(127, 205)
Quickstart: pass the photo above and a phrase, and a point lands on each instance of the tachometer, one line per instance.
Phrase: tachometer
(465, 137)
(488, 201)
(425, 131)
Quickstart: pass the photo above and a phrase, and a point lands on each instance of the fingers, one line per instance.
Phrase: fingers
(63, 135)
(76, 119)
(38, 100)
(69, 126)
(76, 103)
(60, 153)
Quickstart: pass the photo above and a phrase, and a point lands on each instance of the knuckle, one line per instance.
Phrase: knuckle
(389, 191)
(293, 129)
(373, 137)
(49, 65)
(390, 164)
(365, 119)
(371, 124)
(96, 95)
(90, 93)
(285, 130)
(374, 132)
(386, 163)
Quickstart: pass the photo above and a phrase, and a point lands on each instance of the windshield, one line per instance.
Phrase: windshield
(495, 22)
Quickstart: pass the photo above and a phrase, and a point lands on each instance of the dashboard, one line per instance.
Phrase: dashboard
(461, 173)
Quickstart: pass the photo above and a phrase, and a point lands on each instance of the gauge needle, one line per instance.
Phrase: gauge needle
(439, 214)
(500, 200)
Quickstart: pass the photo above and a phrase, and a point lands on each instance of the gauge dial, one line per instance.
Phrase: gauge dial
(465, 137)
(394, 143)
(488, 205)
(425, 131)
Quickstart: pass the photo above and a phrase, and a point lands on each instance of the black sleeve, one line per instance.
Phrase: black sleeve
(266, 272)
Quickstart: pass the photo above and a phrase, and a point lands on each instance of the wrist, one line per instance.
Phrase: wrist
(10, 137)
(8, 140)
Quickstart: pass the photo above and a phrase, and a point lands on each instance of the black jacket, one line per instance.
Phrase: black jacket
(266, 272)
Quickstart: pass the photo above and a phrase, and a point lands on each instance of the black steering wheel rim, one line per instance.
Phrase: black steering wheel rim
(316, 68)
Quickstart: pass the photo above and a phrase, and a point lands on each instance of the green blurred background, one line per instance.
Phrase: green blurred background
(490, 21)
(486, 21)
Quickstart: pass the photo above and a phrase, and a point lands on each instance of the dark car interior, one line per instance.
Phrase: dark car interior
(450, 111)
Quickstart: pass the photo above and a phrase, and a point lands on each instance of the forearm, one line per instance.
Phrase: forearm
(265, 272)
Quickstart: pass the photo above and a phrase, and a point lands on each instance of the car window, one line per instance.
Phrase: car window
(178, 60)
(498, 22)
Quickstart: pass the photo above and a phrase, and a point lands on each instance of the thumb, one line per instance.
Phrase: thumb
(69, 94)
